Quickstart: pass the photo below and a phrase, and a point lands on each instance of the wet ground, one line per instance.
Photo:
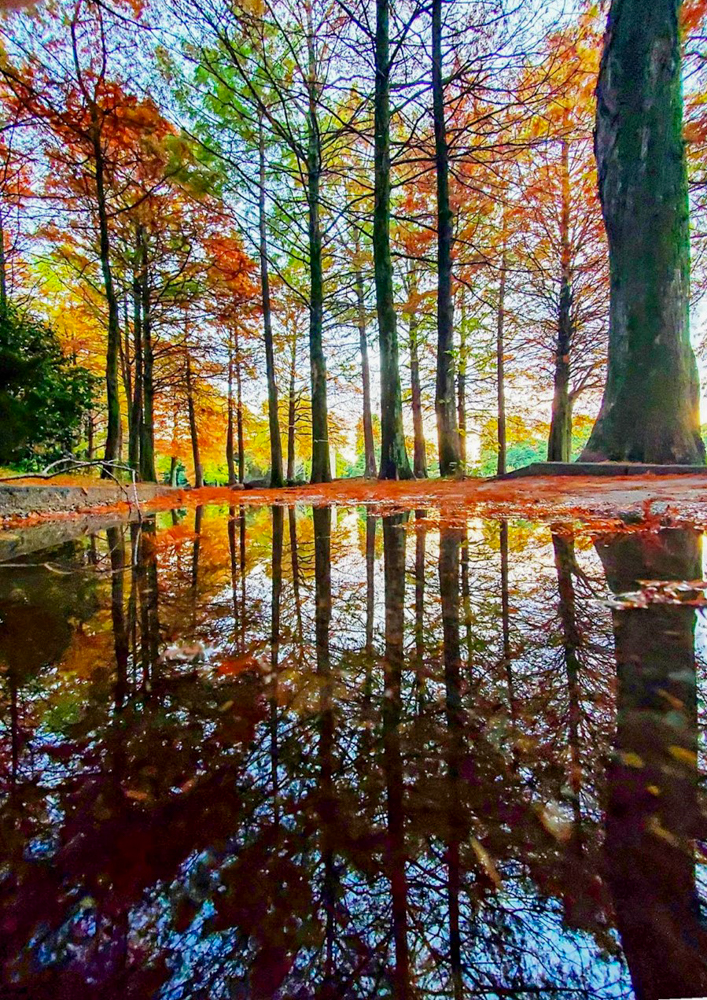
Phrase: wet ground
(319, 753)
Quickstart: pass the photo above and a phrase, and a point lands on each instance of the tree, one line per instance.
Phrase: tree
(394, 462)
(559, 235)
(650, 410)
(445, 401)
(44, 396)
(58, 70)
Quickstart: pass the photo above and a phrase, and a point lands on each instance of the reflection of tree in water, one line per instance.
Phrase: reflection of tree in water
(40, 610)
(302, 772)
(654, 812)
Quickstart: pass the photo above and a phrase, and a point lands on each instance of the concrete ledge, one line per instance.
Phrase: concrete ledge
(604, 469)
(21, 501)
(52, 533)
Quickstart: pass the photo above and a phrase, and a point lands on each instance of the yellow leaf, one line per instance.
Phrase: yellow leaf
(684, 755)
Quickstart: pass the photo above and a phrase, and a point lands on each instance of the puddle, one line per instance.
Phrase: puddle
(297, 754)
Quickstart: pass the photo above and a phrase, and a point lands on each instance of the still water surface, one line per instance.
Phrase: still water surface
(257, 753)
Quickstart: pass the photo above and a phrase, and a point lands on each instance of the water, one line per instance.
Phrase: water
(319, 754)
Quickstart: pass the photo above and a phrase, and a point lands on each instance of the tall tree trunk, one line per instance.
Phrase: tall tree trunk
(321, 462)
(419, 445)
(193, 428)
(147, 436)
(394, 462)
(560, 443)
(650, 411)
(420, 448)
(126, 362)
(230, 460)
(370, 471)
(292, 414)
(90, 443)
(136, 415)
(239, 410)
(3, 268)
(113, 433)
(273, 416)
(461, 381)
(501, 368)
(445, 403)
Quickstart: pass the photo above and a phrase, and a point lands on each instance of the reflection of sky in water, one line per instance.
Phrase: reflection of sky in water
(185, 812)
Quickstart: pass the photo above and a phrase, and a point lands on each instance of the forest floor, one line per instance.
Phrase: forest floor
(604, 503)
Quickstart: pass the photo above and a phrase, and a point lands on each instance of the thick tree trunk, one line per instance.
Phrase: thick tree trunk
(445, 403)
(273, 416)
(419, 447)
(370, 471)
(321, 463)
(501, 369)
(650, 411)
(193, 428)
(394, 462)
(113, 433)
(173, 470)
(560, 443)
(147, 428)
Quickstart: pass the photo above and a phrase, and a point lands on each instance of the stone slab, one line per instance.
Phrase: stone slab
(603, 469)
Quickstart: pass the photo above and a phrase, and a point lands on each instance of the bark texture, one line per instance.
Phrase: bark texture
(321, 462)
(445, 403)
(273, 418)
(650, 411)
(113, 430)
(560, 443)
(147, 424)
(420, 448)
(370, 471)
(394, 462)
(501, 371)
